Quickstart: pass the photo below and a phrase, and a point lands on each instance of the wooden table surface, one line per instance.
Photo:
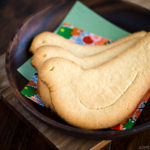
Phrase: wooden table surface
(19, 129)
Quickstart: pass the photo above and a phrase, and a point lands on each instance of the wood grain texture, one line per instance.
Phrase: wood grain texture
(16, 134)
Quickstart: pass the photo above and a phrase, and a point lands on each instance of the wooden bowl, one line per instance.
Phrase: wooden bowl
(126, 15)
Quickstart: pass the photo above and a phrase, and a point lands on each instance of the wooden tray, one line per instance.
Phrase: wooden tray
(126, 15)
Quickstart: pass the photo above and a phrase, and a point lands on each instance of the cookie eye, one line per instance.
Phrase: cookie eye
(43, 41)
(51, 68)
(44, 55)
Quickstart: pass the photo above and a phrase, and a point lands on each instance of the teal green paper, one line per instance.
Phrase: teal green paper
(27, 70)
(82, 17)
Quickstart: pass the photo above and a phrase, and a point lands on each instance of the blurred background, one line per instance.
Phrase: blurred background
(143, 3)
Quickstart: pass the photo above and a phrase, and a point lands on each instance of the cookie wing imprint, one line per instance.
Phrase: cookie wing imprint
(121, 82)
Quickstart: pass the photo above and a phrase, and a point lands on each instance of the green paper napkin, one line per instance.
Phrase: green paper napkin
(82, 17)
